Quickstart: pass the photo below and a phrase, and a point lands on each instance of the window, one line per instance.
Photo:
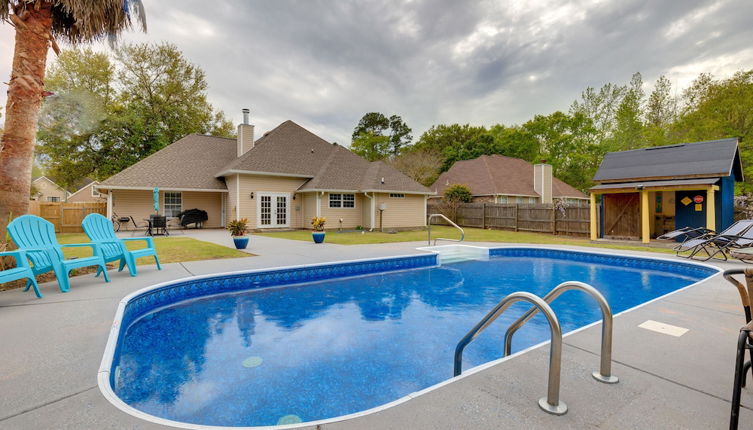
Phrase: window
(519, 200)
(173, 204)
(397, 196)
(94, 192)
(532, 200)
(54, 199)
(502, 199)
(337, 200)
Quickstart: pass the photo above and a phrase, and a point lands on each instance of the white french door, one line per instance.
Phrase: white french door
(273, 210)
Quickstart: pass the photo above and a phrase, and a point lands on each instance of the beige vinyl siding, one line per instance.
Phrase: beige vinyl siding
(274, 184)
(206, 201)
(401, 212)
(351, 217)
(230, 201)
(309, 209)
(85, 195)
(47, 188)
(138, 204)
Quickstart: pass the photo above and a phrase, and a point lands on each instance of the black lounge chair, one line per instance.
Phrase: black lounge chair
(685, 233)
(737, 236)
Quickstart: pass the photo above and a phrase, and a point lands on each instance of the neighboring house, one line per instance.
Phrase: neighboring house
(48, 190)
(500, 179)
(281, 180)
(87, 192)
(647, 192)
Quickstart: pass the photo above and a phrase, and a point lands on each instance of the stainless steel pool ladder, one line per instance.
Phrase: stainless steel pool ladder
(551, 403)
(428, 224)
(604, 374)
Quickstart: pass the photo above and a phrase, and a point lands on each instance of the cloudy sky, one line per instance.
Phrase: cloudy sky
(325, 64)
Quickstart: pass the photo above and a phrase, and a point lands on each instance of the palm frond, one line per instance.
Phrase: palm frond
(84, 20)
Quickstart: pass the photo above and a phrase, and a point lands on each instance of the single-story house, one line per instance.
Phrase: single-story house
(48, 190)
(647, 192)
(500, 179)
(281, 180)
(87, 192)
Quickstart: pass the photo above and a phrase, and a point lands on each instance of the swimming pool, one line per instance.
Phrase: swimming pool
(316, 342)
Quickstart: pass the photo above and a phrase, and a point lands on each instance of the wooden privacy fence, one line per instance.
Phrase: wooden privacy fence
(543, 218)
(67, 217)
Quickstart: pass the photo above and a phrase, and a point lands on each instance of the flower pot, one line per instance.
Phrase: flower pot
(241, 242)
(318, 236)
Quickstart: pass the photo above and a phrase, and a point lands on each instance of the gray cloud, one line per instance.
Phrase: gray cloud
(325, 64)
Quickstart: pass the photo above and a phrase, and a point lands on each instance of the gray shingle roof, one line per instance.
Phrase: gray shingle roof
(498, 175)
(199, 162)
(713, 158)
(189, 163)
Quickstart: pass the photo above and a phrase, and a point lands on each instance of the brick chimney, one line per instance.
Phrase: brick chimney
(542, 181)
(245, 134)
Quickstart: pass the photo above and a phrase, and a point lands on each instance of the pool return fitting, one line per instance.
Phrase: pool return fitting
(551, 403)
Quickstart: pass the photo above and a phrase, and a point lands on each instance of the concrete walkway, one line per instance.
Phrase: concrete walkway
(51, 349)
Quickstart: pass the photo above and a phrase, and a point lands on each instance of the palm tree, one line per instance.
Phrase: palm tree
(38, 23)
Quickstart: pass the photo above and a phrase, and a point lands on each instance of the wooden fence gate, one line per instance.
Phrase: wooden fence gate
(66, 217)
(622, 216)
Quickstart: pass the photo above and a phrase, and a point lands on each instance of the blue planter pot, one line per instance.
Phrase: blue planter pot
(318, 236)
(240, 242)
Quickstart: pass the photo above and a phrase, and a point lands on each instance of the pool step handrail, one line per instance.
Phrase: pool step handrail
(428, 224)
(551, 403)
(604, 374)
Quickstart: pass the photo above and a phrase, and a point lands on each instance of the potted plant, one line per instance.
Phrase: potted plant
(318, 223)
(237, 230)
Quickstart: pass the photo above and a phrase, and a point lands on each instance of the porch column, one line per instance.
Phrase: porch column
(594, 218)
(710, 209)
(645, 215)
(318, 204)
(109, 204)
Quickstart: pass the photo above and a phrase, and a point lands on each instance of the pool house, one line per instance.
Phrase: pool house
(650, 191)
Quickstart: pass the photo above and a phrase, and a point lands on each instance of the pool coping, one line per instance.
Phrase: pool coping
(103, 374)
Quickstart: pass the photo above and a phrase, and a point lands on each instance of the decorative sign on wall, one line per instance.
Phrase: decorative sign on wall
(686, 201)
(698, 207)
(698, 199)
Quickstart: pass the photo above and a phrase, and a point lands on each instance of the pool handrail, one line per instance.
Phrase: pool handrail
(551, 403)
(745, 293)
(604, 374)
(428, 224)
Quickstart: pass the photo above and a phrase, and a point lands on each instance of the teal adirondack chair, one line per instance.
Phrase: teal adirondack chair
(36, 237)
(99, 229)
(21, 271)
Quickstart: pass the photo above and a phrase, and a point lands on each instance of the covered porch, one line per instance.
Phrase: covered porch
(645, 210)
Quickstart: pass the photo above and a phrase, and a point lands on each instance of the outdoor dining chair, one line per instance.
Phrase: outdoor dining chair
(100, 231)
(21, 271)
(36, 237)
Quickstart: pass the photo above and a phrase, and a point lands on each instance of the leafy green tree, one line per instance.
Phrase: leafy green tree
(371, 146)
(458, 193)
(628, 131)
(716, 109)
(375, 124)
(484, 144)
(601, 108)
(442, 136)
(661, 111)
(562, 141)
(515, 142)
(108, 113)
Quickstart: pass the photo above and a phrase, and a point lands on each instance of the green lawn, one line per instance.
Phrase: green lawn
(169, 249)
(471, 235)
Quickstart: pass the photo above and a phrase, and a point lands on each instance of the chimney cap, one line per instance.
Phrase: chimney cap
(245, 110)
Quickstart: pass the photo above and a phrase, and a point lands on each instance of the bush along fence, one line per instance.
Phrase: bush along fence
(542, 218)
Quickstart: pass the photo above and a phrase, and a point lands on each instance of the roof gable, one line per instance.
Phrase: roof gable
(499, 175)
(714, 158)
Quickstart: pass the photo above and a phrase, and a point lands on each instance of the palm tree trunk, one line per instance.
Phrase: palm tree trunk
(22, 110)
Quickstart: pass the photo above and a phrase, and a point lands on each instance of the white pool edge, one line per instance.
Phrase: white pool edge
(103, 375)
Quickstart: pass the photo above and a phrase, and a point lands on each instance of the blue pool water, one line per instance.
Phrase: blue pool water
(334, 347)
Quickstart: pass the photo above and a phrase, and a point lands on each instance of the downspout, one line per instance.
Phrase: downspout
(319, 204)
(372, 201)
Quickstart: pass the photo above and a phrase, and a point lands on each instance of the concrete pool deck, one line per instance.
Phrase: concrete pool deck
(52, 348)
